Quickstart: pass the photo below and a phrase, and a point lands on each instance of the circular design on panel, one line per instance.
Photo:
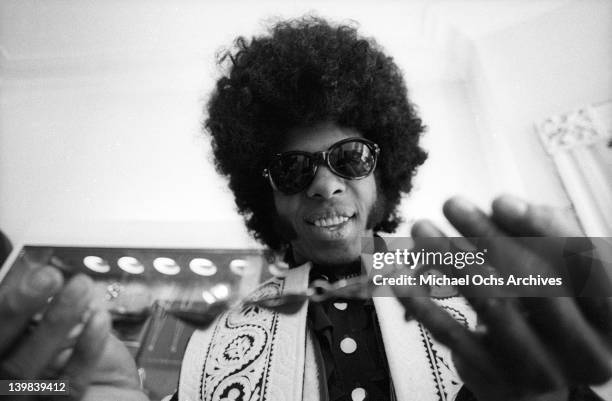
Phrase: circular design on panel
(239, 266)
(130, 265)
(358, 394)
(233, 389)
(166, 266)
(96, 264)
(348, 345)
(340, 305)
(221, 291)
(241, 349)
(203, 267)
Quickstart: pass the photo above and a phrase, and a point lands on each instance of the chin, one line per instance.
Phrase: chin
(335, 256)
(337, 260)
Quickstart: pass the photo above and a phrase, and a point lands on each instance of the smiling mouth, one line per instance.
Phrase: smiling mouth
(329, 222)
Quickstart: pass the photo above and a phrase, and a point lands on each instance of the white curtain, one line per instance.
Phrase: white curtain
(580, 144)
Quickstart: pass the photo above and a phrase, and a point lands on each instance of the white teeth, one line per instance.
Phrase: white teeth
(330, 221)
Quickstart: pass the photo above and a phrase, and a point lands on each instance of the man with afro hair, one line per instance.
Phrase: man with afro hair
(308, 72)
(313, 127)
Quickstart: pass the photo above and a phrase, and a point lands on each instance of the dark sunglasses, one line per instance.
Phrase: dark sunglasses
(292, 172)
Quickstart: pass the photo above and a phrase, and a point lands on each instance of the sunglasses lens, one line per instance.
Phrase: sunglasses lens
(352, 159)
(291, 173)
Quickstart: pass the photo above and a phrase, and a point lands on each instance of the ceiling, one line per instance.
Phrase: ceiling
(71, 38)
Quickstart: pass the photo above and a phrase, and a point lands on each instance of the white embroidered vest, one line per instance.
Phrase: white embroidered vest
(254, 354)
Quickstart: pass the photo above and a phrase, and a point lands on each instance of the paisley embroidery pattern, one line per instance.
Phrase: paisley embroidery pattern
(238, 357)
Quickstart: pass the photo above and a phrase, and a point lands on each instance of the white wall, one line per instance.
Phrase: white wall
(550, 64)
(455, 165)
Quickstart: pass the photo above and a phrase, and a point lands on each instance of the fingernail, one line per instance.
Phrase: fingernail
(87, 314)
(76, 331)
(463, 205)
(514, 205)
(425, 228)
(42, 280)
(62, 358)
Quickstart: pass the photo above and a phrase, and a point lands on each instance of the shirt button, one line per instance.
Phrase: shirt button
(358, 394)
(348, 345)
(340, 305)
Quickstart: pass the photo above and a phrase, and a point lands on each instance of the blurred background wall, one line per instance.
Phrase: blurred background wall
(101, 104)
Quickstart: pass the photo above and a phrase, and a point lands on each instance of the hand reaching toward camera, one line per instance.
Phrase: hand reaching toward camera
(528, 348)
(71, 340)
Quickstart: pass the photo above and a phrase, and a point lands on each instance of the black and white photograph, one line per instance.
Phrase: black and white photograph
(233, 200)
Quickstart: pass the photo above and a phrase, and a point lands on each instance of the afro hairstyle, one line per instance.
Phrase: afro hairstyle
(301, 73)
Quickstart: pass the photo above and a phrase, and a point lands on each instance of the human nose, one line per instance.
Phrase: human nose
(325, 184)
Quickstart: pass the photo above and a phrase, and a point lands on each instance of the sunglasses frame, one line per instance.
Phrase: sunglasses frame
(322, 157)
